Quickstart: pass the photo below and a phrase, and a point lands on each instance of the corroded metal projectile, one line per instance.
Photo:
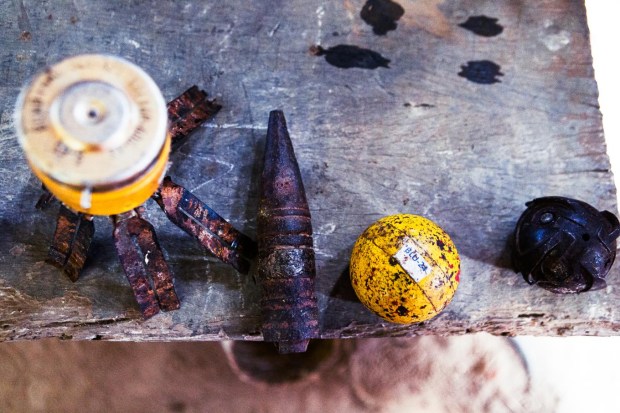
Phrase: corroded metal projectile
(72, 237)
(286, 269)
(142, 258)
(201, 222)
(188, 111)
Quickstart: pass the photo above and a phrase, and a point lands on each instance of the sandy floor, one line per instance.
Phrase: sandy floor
(477, 373)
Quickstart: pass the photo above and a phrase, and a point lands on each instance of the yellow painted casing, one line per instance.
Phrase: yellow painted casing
(94, 129)
(110, 201)
(405, 268)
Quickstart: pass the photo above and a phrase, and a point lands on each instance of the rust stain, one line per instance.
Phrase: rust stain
(25, 36)
(574, 62)
(426, 15)
(580, 116)
(350, 7)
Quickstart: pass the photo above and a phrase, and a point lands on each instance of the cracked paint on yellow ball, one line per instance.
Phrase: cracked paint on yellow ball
(405, 268)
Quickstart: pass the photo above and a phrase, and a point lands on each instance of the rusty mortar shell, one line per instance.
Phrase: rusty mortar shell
(286, 266)
(94, 130)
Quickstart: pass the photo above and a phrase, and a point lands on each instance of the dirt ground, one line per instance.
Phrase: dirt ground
(478, 373)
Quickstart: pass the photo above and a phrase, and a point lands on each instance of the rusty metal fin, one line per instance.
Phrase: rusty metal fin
(201, 222)
(72, 237)
(188, 111)
(142, 259)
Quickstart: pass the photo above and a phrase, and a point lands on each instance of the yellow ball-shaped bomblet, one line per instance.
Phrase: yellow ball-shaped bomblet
(405, 268)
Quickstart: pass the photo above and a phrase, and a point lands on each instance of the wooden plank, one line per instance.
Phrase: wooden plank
(413, 137)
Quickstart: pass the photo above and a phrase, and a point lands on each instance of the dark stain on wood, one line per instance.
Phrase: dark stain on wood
(483, 26)
(531, 315)
(381, 15)
(484, 72)
(347, 56)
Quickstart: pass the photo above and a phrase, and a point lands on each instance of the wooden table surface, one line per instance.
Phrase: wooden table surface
(463, 125)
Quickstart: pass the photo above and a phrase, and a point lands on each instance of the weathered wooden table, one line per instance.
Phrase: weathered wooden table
(464, 124)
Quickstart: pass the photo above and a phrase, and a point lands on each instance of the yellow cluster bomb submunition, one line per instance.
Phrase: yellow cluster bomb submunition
(405, 268)
(94, 131)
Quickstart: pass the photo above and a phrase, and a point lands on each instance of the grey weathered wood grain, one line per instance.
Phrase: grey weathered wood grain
(414, 137)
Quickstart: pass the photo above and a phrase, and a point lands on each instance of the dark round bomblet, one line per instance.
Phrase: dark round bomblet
(565, 245)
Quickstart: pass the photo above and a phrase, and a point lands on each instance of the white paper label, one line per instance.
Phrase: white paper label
(412, 261)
